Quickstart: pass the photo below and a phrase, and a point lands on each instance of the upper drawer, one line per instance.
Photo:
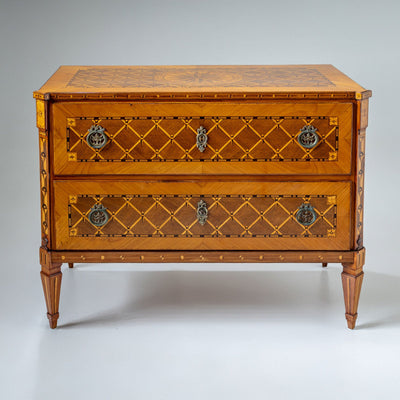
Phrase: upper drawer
(201, 138)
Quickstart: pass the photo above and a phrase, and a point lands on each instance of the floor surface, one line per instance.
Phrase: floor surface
(275, 332)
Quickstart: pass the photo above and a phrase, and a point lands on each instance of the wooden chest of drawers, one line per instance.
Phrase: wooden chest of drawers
(202, 164)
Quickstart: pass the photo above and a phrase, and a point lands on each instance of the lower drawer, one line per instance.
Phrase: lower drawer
(131, 215)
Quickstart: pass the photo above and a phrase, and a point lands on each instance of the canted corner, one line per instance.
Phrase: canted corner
(366, 94)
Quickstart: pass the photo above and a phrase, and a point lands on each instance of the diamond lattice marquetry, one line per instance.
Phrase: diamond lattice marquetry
(229, 139)
(228, 216)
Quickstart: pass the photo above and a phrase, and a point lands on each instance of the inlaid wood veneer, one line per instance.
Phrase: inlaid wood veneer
(202, 164)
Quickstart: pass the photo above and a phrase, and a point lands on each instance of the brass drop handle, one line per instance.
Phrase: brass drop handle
(96, 138)
(98, 215)
(308, 137)
(201, 138)
(306, 215)
(202, 212)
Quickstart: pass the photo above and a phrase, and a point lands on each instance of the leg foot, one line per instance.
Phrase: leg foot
(51, 280)
(351, 320)
(71, 265)
(53, 320)
(324, 264)
(352, 277)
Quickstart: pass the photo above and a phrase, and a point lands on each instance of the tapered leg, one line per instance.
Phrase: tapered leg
(324, 264)
(51, 280)
(71, 265)
(352, 277)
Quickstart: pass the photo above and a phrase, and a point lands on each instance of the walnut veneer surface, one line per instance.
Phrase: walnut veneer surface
(202, 164)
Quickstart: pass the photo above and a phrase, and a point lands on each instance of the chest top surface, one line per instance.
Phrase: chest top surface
(77, 81)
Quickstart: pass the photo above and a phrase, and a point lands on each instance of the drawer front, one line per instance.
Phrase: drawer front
(196, 216)
(209, 138)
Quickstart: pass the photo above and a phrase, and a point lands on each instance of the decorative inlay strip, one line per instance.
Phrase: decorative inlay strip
(201, 96)
(41, 122)
(44, 188)
(360, 189)
(213, 256)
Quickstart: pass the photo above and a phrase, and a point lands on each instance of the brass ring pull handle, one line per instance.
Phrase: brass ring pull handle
(306, 215)
(308, 137)
(98, 215)
(201, 138)
(202, 212)
(96, 138)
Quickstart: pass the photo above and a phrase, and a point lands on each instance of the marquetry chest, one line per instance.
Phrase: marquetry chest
(201, 164)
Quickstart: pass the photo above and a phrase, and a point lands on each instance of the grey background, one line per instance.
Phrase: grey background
(360, 37)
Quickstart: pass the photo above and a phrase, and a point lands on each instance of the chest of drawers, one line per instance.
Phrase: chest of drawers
(201, 164)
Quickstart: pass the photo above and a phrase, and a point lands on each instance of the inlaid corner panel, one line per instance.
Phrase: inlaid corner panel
(121, 215)
(134, 138)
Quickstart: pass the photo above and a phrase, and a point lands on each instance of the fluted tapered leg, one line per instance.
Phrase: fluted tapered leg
(51, 280)
(352, 277)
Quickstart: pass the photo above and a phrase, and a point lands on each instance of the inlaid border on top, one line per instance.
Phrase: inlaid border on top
(211, 96)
